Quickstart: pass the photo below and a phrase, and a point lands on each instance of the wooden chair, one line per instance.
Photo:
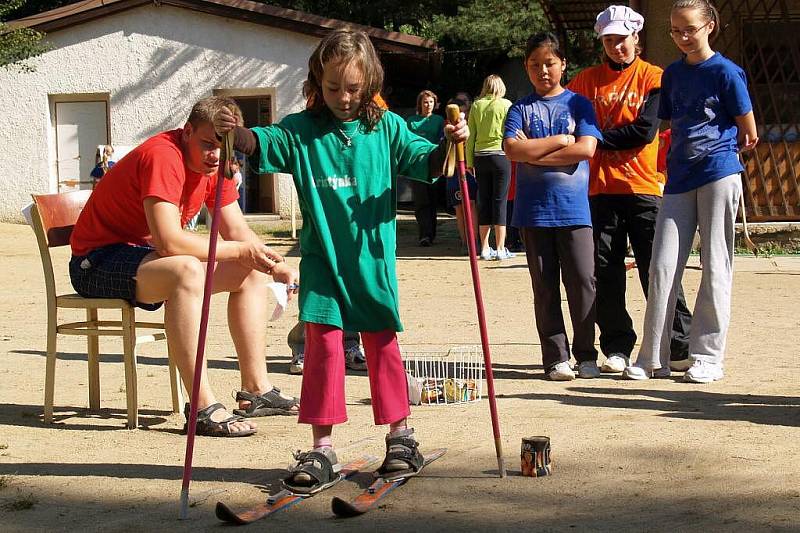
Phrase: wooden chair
(53, 218)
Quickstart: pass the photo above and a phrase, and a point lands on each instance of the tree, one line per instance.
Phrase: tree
(18, 44)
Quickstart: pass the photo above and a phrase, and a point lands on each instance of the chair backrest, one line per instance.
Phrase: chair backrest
(57, 214)
(53, 218)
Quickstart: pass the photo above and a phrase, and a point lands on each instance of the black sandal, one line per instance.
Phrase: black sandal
(210, 428)
(403, 457)
(268, 404)
(314, 471)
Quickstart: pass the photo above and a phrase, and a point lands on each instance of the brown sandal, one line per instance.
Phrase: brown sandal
(211, 428)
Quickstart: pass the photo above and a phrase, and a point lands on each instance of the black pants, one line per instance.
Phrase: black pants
(425, 200)
(494, 176)
(618, 218)
(566, 252)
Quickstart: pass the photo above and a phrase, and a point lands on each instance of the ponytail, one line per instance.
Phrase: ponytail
(707, 10)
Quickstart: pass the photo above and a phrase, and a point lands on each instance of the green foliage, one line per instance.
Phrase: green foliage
(18, 44)
(502, 25)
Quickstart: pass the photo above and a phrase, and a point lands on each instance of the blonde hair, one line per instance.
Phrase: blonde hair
(204, 110)
(493, 86)
(426, 94)
(346, 47)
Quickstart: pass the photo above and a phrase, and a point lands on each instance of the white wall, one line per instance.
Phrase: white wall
(154, 63)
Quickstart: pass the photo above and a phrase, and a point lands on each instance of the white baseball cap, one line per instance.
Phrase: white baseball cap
(618, 20)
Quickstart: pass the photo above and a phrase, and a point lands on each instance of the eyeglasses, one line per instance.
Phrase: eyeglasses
(687, 33)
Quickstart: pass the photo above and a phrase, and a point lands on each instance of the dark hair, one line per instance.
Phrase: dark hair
(547, 39)
(707, 11)
(347, 47)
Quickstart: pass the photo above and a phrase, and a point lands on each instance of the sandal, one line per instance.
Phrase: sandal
(403, 457)
(268, 404)
(314, 471)
(211, 428)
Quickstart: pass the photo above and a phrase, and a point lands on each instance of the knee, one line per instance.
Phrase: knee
(190, 274)
(255, 280)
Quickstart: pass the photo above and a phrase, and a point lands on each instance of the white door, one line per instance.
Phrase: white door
(80, 127)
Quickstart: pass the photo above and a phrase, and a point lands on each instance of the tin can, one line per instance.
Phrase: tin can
(536, 456)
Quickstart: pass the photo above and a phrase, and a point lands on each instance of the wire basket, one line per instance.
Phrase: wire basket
(443, 377)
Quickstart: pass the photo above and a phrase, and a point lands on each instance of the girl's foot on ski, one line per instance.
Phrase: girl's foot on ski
(314, 471)
(402, 455)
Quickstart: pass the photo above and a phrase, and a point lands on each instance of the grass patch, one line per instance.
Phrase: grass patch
(6, 481)
(22, 502)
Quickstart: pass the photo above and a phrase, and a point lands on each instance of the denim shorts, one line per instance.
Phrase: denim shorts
(110, 272)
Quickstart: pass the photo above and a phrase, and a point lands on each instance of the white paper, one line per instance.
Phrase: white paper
(281, 296)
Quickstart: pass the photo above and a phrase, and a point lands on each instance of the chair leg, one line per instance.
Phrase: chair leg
(93, 352)
(175, 385)
(50, 369)
(129, 360)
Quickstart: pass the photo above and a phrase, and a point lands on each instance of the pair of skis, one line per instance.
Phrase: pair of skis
(362, 503)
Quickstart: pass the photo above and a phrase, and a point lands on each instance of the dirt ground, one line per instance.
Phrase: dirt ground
(628, 456)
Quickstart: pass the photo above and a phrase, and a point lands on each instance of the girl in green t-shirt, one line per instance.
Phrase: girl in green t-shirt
(345, 152)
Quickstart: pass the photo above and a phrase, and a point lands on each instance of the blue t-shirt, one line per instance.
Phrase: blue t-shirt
(552, 196)
(702, 102)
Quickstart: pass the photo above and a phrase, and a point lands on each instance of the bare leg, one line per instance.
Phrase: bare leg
(500, 237)
(322, 436)
(485, 231)
(180, 281)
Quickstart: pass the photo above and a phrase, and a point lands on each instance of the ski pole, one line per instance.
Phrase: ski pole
(453, 115)
(191, 425)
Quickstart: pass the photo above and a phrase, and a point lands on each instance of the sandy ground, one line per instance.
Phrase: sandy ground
(655, 455)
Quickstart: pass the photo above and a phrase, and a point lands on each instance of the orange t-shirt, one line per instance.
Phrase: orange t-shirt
(617, 97)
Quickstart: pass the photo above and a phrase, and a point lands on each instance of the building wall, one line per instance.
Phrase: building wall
(154, 63)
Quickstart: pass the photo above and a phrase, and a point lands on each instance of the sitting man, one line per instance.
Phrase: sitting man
(129, 243)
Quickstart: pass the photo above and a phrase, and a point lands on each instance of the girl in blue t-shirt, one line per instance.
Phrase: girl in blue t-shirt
(551, 134)
(704, 95)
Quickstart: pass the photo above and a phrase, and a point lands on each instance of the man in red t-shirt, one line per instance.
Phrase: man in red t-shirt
(129, 243)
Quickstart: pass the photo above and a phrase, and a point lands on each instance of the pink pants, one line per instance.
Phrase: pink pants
(322, 399)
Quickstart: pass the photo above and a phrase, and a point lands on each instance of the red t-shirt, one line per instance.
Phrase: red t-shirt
(115, 210)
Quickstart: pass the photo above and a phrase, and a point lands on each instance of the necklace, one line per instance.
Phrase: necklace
(348, 141)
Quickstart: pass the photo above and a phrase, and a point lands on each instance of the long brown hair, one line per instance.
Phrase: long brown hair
(347, 47)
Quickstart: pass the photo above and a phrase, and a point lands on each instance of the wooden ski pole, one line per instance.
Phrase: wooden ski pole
(453, 115)
(191, 427)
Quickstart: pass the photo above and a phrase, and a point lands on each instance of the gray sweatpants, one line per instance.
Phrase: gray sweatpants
(712, 208)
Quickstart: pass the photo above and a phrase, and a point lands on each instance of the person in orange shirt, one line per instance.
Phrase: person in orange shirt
(624, 189)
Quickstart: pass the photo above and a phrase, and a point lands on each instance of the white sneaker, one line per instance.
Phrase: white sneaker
(588, 370)
(488, 254)
(561, 372)
(681, 365)
(615, 364)
(504, 254)
(638, 373)
(704, 372)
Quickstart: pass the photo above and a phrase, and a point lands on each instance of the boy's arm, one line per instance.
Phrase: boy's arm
(169, 239)
(583, 148)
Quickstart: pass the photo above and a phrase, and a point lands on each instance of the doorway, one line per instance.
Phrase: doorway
(80, 126)
(258, 194)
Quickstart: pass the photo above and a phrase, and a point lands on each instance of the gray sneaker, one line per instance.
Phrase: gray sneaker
(296, 366)
(588, 370)
(354, 358)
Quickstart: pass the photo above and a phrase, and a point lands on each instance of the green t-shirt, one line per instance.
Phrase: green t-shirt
(487, 118)
(348, 200)
(430, 127)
